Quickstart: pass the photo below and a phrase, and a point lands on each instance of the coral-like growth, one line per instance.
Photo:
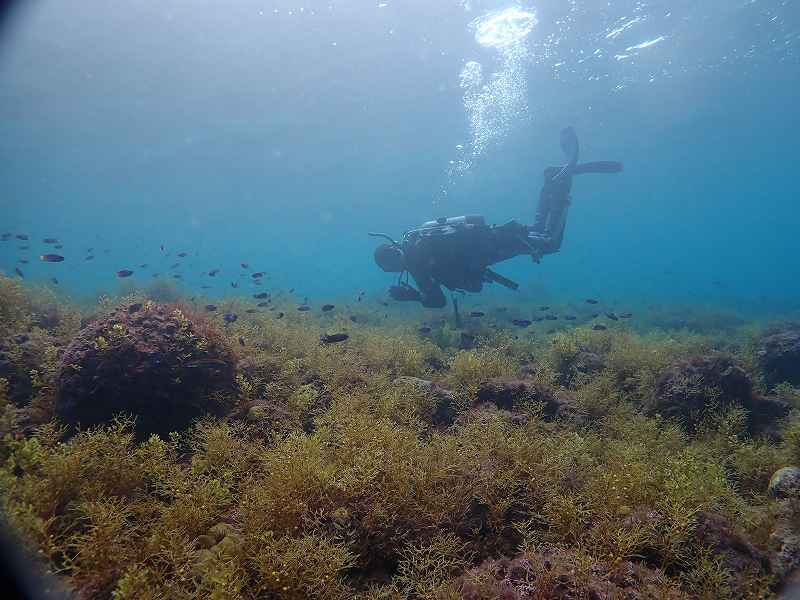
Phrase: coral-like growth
(147, 360)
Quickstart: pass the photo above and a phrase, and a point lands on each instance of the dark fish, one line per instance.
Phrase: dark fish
(124, 273)
(327, 307)
(304, 308)
(213, 272)
(354, 319)
(18, 272)
(262, 304)
(143, 266)
(230, 317)
(51, 258)
(550, 318)
(626, 315)
(384, 303)
(592, 301)
(25, 247)
(134, 308)
(544, 308)
(22, 237)
(334, 338)
(612, 316)
(206, 363)
(90, 257)
(521, 322)
(595, 315)
(261, 296)
(6, 236)
(182, 254)
(211, 307)
(280, 315)
(89, 250)
(476, 314)
(162, 247)
(234, 284)
(502, 309)
(241, 340)
(599, 327)
(205, 287)
(251, 311)
(258, 275)
(58, 246)
(23, 261)
(54, 280)
(50, 241)
(359, 299)
(245, 266)
(551, 331)
(175, 265)
(156, 275)
(569, 317)
(291, 291)
(177, 276)
(424, 330)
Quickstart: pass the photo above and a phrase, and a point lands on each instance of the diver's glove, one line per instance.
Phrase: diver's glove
(404, 292)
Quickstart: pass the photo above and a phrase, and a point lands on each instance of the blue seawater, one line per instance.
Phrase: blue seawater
(279, 132)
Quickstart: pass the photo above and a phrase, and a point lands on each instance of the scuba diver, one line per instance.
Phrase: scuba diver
(457, 252)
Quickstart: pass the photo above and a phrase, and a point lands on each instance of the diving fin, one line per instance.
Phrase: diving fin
(571, 149)
(602, 166)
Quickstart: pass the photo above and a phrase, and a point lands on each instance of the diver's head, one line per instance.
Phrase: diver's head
(390, 258)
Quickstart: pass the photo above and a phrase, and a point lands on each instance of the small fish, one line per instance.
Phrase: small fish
(595, 315)
(592, 301)
(245, 266)
(502, 309)
(230, 317)
(544, 308)
(424, 330)
(50, 241)
(612, 316)
(521, 322)
(241, 340)
(124, 273)
(18, 272)
(599, 327)
(143, 266)
(51, 258)
(177, 276)
(279, 315)
(213, 272)
(54, 280)
(156, 275)
(251, 311)
(205, 287)
(182, 254)
(261, 296)
(234, 284)
(90, 257)
(58, 246)
(206, 363)
(25, 247)
(359, 299)
(175, 265)
(551, 331)
(134, 308)
(384, 303)
(304, 308)
(162, 247)
(626, 315)
(550, 318)
(291, 291)
(23, 261)
(22, 237)
(89, 250)
(258, 275)
(354, 319)
(211, 307)
(569, 317)
(476, 314)
(334, 338)
(6, 236)
(262, 304)
(327, 307)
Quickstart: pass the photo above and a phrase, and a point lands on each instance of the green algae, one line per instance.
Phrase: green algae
(327, 480)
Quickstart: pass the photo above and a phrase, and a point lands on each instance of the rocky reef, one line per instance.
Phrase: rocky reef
(148, 361)
(242, 458)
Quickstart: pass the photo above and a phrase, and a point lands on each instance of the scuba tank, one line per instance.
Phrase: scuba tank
(454, 221)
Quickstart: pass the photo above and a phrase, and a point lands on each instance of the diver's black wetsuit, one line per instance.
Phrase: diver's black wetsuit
(457, 253)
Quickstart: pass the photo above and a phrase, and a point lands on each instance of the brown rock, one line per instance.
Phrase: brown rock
(779, 357)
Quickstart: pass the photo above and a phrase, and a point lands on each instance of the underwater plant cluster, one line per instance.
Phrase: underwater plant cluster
(151, 449)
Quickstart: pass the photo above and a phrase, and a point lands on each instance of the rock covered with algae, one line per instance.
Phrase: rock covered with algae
(147, 360)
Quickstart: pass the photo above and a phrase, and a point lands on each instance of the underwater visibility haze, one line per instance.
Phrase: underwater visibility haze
(235, 364)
